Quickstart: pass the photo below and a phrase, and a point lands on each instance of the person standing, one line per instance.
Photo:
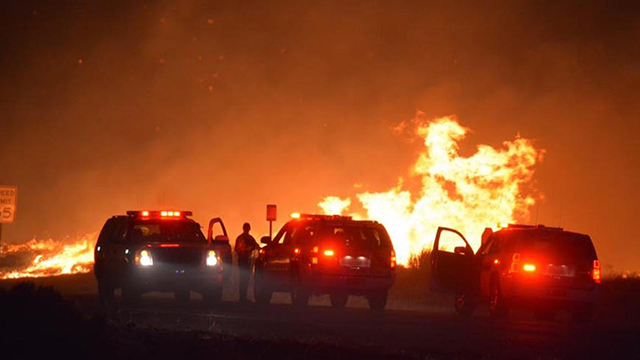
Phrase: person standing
(244, 246)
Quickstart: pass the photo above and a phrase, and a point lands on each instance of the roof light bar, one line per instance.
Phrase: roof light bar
(159, 214)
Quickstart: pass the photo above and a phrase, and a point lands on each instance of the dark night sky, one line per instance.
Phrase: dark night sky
(224, 106)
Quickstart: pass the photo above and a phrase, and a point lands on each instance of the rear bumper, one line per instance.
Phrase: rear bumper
(535, 295)
(174, 278)
(324, 283)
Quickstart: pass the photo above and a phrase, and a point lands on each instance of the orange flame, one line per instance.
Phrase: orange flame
(39, 258)
(465, 193)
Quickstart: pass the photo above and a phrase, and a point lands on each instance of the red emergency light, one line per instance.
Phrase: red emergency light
(159, 214)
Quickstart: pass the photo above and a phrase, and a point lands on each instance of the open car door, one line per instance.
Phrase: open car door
(218, 238)
(452, 262)
(219, 235)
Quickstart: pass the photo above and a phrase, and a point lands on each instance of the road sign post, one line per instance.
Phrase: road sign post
(8, 201)
(272, 215)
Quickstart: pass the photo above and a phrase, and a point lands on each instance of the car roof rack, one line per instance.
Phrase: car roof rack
(538, 226)
(324, 217)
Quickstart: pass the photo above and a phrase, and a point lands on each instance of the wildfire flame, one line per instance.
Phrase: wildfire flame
(468, 194)
(48, 257)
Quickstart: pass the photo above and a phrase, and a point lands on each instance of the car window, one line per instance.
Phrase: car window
(284, 235)
(303, 235)
(496, 245)
(562, 244)
(357, 235)
(119, 231)
(106, 232)
(166, 231)
(487, 247)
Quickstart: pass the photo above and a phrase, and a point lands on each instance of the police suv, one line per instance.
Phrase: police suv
(166, 251)
(320, 254)
(543, 268)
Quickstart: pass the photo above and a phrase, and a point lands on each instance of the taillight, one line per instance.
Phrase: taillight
(296, 251)
(393, 259)
(529, 268)
(515, 263)
(596, 273)
(212, 258)
(328, 254)
(143, 258)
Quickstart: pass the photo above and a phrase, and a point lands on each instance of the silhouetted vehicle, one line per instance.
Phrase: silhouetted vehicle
(159, 251)
(335, 255)
(543, 268)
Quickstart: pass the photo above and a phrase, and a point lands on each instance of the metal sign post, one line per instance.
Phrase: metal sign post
(272, 214)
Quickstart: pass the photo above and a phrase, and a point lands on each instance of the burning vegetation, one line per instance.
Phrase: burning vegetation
(466, 193)
(48, 257)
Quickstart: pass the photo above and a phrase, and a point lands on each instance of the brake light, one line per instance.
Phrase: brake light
(393, 261)
(328, 252)
(529, 267)
(596, 273)
(515, 263)
(212, 258)
(169, 245)
(144, 258)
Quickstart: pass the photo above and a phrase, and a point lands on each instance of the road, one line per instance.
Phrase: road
(429, 330)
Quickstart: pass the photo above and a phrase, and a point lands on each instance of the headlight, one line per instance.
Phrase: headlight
(143, 258)
(212, 258)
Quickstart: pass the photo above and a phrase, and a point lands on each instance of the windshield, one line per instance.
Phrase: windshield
(166, 231)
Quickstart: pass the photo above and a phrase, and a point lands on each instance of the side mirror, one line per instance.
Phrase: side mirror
(221, 238)
(461, 250)
(265, 240)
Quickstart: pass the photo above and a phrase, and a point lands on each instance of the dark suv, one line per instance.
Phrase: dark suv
(543, 268)
(147, 251)
(335, 255)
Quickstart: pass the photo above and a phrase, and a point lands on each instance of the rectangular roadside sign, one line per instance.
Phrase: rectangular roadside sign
(8, 201)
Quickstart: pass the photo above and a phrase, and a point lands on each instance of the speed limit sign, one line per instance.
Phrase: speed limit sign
(8, 199)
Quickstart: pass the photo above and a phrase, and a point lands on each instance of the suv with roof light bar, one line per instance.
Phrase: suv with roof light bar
(542, 268)
(327, 254)
(165, 250)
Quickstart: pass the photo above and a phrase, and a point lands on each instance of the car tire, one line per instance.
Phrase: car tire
(338, 300)
(105, 292)
(131, 295)
(378, 301)
(465, 305)
(497, 305)
(212, 296)
(261, 289)
(182, 296)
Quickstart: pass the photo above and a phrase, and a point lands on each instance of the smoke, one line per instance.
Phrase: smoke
(223, 107)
